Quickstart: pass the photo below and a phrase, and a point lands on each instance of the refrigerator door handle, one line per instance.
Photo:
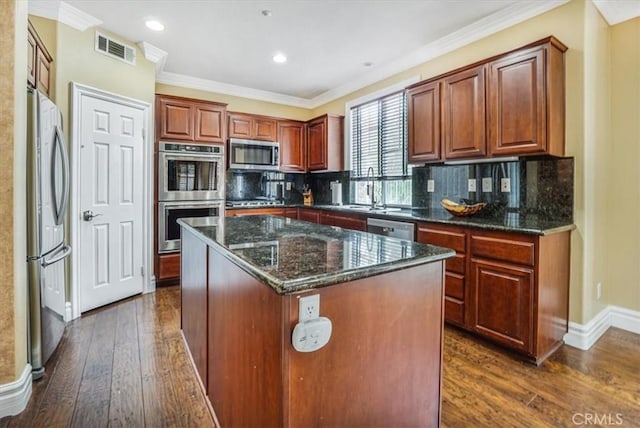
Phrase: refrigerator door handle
(58, 255)
(60, 144)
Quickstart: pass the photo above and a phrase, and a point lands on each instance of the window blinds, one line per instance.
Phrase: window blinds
(378, 137)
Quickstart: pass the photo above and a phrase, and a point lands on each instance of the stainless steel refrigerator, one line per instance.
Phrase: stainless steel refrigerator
(47, 202)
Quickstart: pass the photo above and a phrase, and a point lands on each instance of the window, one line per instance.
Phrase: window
(379, 151)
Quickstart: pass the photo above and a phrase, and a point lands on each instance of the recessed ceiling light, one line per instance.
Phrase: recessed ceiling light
(266, 12)
(280, 58)
(367, 64)
(154, 25)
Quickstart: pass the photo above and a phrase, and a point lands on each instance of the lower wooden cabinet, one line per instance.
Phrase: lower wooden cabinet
(345, 221)
(284, 212)
(510, 288)
(168, 266)
(309, 214)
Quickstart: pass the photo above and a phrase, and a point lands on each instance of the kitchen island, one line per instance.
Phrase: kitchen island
(242, 280)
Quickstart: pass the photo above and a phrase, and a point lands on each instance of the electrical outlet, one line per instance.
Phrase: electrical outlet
(487, 184)
(505, 185)
(288, 185)
(309, 308)
(431, 186)
(598, 291)
(472, 185)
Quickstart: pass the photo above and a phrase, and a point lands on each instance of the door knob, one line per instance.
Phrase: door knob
(88, 215)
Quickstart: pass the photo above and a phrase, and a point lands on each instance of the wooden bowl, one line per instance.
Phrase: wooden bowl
(462, 210)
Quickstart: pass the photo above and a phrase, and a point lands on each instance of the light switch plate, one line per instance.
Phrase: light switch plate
(288, 185)
(486, 184)
(505, 185)
(472, 185)
(431, 186)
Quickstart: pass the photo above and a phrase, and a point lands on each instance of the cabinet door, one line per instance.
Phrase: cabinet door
(309, 215)
(423, 117)
(239, 126)
(317, 145)
(292, 147)
(176, 120)
(502, 302)
(265, 129)
(253, 211)
(209, 123)
(344, 221)
(31, 59)
(517, 112)
(463, 128)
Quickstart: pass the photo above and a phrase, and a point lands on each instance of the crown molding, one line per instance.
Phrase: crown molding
(154, 54)
(617, 11)
(229, 89)
(64, 13)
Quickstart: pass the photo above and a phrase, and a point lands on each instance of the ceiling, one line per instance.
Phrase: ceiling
(333, 46)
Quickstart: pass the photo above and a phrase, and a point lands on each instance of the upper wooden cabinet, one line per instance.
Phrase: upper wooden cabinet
(463, 114)
(291, 136)
(527, 101)
(325, 143)
(39, 62)
(511, 104)
(423, 117)
(252, 127)
(186, 119)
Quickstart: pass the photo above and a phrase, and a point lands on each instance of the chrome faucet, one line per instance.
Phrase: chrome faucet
(370, 187)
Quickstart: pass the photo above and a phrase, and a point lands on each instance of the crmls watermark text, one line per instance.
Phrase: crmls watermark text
(597, 419)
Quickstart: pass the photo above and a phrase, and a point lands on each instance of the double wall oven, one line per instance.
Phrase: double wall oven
(190, 184)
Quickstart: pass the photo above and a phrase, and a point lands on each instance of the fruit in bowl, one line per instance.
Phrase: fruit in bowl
(463, 209)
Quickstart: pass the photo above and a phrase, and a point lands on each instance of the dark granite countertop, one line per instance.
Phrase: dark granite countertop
(291, 255)
(530, 224)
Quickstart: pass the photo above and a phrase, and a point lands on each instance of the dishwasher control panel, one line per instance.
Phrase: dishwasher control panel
(395, 229)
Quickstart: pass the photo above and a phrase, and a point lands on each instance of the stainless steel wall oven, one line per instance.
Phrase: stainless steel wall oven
(190, 184)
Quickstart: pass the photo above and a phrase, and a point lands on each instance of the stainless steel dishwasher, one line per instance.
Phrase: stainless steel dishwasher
(396, 229)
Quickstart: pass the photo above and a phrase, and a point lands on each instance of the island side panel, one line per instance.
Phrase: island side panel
(382, 365)
(245, 347)
(193, 293)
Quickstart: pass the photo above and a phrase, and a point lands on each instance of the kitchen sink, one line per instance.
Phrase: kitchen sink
(365, 208)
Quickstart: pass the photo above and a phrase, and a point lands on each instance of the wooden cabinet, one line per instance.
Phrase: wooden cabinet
(423, 120)
(345, 221)
(526, 101)
(186, 119)
(291, 136)
(252, 127)
(463, 113)
(309, 214)
(284, 212)
(168, 267)
(519, 290)
(511, 104)
(325, 143)
(39, 62)
(456, 268)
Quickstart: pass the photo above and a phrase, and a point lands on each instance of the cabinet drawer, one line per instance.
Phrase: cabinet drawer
(453, 310)
(454, 285)
(169, 266)
(442, 238)
(515, 251)
(456, 264)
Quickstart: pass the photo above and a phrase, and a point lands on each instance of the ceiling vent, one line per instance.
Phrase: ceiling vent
(115, 49)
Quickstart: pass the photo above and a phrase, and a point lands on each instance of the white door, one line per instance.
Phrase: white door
(111, 202)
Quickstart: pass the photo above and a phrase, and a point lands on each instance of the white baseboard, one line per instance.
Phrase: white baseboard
(14, 396)
(583, 336)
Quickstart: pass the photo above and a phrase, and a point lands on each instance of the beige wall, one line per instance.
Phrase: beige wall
(13, 286)
(622, 286)
(245, 105)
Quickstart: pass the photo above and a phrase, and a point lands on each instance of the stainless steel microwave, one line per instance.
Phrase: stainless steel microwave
(252, 154)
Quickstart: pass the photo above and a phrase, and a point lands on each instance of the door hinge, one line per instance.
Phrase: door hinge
(144, 135)
(142, 271)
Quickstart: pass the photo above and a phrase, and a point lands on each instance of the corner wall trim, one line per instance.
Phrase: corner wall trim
(583, 336)
(14, 396)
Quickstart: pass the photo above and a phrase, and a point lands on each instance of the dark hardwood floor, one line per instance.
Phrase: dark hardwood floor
(125, 365)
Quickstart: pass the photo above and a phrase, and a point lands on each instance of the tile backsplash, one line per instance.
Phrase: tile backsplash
(538, 186)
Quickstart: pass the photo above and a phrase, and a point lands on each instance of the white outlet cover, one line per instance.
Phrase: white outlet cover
(288, 185)
(309, 308)
(431, 186)
(486, 184)
(505, 185)
(472, 185)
